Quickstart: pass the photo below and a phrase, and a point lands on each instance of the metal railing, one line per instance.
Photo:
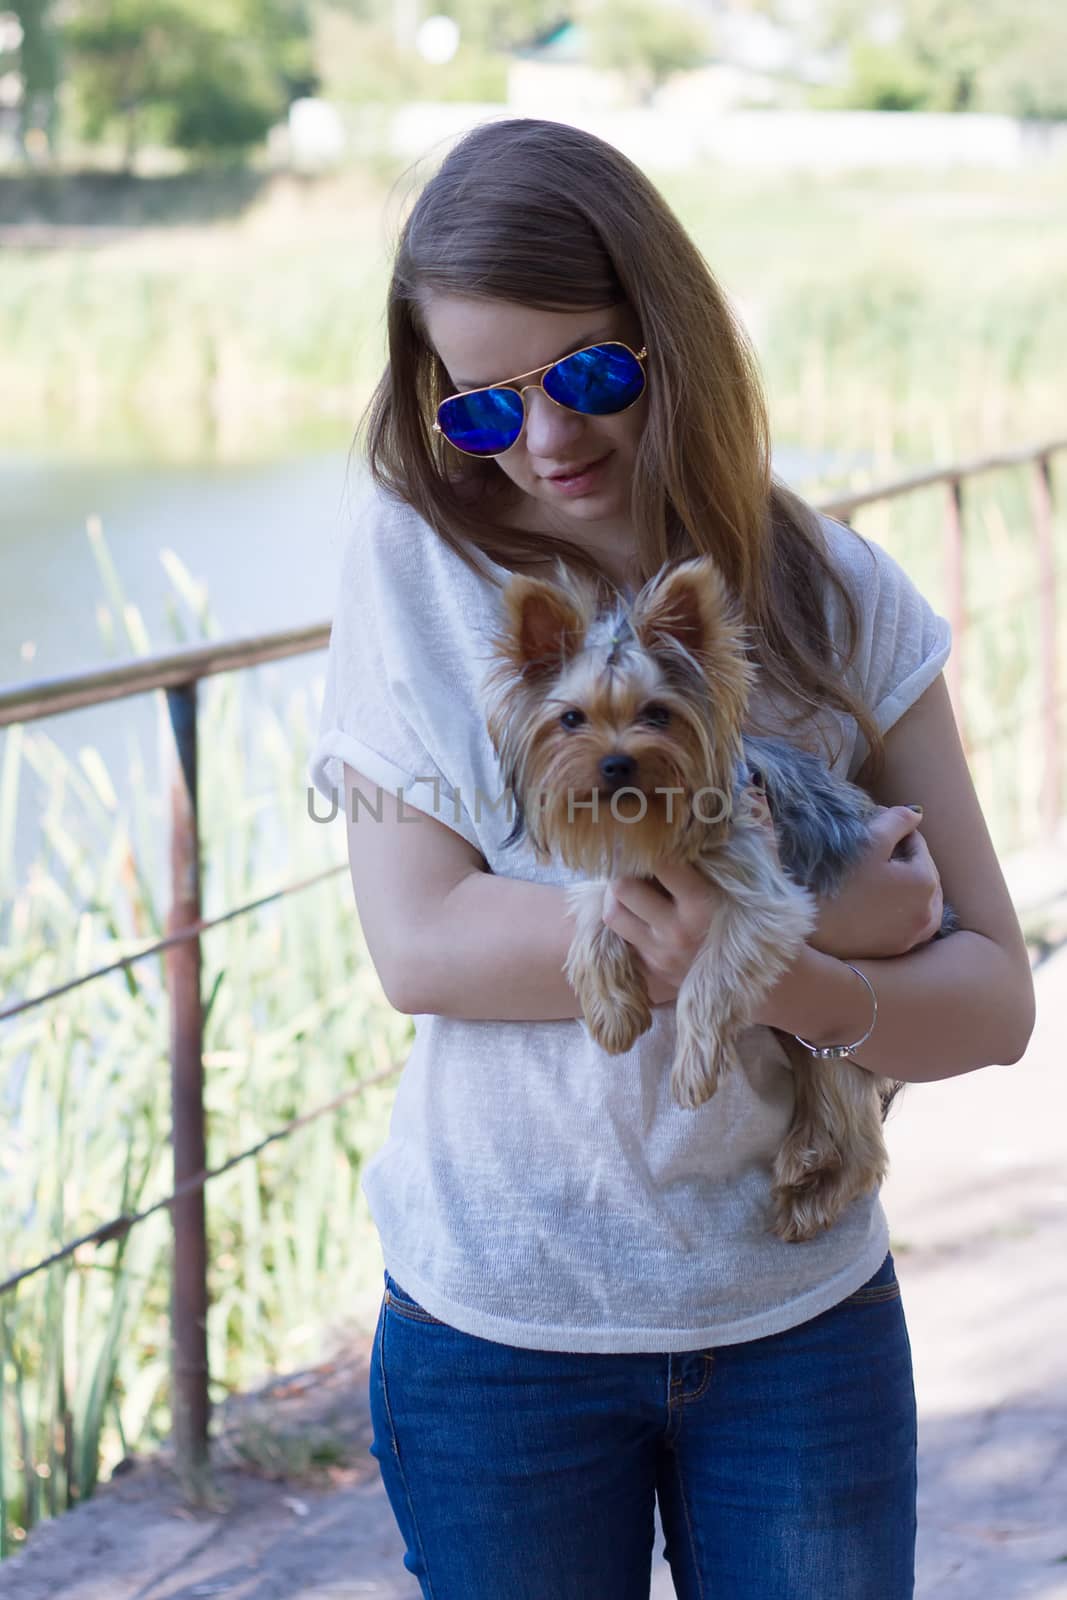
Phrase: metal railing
(1039, 459)
(178, 674)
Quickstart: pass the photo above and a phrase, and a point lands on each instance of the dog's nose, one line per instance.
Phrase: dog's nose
(617, 770)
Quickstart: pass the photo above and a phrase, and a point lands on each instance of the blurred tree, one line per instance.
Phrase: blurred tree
(883, 77)
(940, 55)
(360, 58)
(484, 25)
(936, 49)
(359, 62)
(501, 25)
(39, 69)
(203, 75)
(1029, 77)
(643, 39)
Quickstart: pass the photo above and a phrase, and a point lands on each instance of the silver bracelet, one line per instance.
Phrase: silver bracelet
(837, 1052)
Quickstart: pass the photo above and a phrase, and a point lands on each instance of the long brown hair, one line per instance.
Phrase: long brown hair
(544, 215)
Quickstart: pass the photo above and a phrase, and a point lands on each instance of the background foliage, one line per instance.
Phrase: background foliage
(941, 55)
(210, 77)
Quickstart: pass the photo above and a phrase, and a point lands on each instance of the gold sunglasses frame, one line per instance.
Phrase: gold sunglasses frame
(540, 373)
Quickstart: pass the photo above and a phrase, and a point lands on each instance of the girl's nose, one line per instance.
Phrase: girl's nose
(551, 430)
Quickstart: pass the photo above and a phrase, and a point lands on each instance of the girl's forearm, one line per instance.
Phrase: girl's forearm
(952, 1006)
(497, 948)
(494, 952)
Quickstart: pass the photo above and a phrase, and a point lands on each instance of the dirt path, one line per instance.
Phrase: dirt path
(977, 1202)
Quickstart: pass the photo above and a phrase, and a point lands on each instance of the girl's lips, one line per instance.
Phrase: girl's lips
(577, 472)
(583, 482)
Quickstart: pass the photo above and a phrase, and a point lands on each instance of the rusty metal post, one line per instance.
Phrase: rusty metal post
(189, 1369)
(1046, 577)
(954, 581)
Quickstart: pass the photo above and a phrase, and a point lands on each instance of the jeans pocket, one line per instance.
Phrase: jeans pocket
(398, 1300)
(882, 1286)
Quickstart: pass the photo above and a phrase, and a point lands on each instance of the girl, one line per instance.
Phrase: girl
(584, 1311)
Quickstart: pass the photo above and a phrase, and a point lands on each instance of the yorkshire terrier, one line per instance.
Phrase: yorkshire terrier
(619, 727)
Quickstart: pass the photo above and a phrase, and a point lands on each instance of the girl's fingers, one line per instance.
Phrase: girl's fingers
(894, 823)
(677, 878)
(628, 927)
(642, 897)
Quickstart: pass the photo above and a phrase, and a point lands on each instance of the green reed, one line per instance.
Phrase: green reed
(294, 1016)
(891, 311)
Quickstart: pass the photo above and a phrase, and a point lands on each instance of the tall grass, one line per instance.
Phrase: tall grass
(899, 313)
(294, 1016)
(907, 372)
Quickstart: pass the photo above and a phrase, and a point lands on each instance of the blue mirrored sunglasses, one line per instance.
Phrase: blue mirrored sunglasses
(597, 381)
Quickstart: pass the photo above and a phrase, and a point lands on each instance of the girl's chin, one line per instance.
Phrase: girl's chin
(593, 507)
(541, 510)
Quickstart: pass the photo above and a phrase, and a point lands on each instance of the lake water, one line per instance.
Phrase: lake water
(265, 539)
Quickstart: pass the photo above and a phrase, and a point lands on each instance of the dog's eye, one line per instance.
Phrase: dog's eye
(656, 714)
(572, 718)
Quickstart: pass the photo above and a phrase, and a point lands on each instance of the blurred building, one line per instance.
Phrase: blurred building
(753, 62)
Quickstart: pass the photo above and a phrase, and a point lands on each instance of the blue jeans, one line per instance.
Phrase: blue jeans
(785, 1467)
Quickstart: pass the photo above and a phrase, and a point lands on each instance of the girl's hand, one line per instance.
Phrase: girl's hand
(890, 902)
(666, 918)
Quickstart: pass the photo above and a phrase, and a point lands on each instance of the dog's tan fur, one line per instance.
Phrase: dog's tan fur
(683, 652)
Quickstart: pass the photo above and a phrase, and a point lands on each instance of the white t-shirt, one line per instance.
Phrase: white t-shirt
(534, 1190)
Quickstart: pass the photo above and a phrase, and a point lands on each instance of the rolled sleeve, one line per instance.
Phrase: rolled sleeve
(385, 711)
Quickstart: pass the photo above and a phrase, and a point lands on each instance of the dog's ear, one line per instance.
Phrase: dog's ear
(544, 625)
(689, 616)
(687, 605)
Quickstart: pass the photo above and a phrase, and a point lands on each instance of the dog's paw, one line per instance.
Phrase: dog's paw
(812, 1190)
(801, 1214)
(603, 973)
(700, 1063)
(616, 1026)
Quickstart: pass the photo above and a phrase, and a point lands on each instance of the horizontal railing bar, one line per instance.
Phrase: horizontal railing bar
(119, 1226)
(843, 505)
(29, 702)
(179, 936)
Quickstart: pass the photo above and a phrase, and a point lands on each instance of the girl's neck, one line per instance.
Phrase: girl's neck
(613, 548)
